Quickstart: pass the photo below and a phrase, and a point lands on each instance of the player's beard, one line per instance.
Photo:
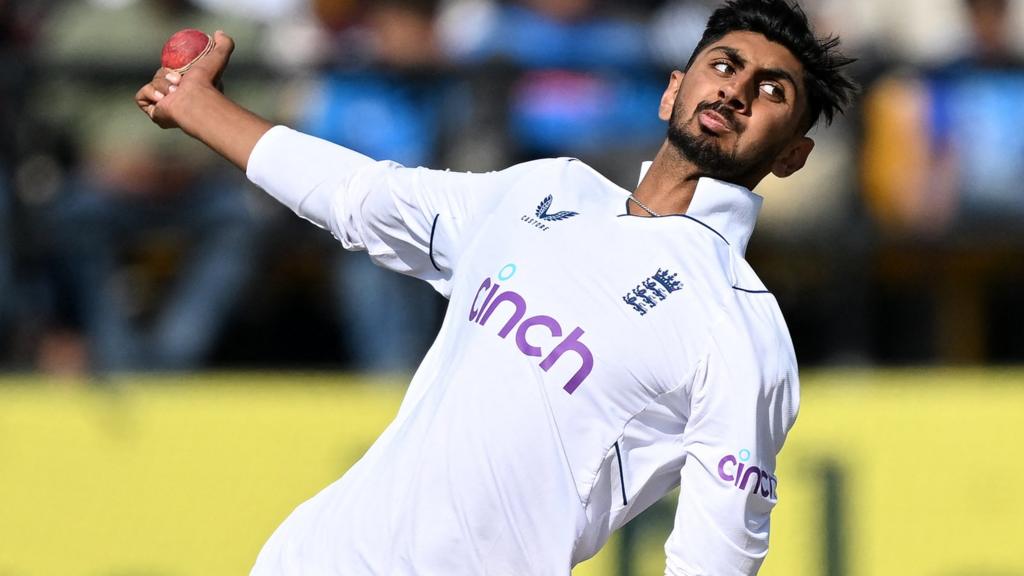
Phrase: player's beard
(705, 151)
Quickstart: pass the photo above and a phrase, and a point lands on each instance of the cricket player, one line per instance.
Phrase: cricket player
(601, 345)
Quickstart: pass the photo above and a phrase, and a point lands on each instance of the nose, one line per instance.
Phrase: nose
(735, 95)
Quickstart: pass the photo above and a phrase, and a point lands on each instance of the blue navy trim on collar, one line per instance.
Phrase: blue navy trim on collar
(686, 216)
(730, 210)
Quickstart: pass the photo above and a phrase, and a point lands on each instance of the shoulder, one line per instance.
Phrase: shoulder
(756, 313)
(565, 177)
(543, 164)
(559, 164)
(752, 327)
(549, 166)
(544, 169)
(754, 351)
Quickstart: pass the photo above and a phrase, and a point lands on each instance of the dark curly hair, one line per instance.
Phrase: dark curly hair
(829, 89)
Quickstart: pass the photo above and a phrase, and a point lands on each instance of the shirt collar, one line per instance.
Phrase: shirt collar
(729, 209)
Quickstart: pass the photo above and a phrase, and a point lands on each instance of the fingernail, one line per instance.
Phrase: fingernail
(159, 95)
(172, 88)
(173, 77)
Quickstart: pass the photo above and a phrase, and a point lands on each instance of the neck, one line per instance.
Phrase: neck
(669, 185)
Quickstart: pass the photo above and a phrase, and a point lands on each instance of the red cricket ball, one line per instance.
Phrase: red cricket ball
(185, 47)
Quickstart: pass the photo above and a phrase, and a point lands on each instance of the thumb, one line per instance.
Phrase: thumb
(211, 66)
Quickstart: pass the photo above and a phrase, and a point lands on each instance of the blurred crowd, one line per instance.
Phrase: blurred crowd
(128, 248)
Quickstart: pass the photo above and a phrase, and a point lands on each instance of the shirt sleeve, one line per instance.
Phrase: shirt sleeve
(411, 220)
(739, 420)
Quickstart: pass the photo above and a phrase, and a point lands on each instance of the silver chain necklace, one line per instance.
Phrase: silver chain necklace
(644, 206)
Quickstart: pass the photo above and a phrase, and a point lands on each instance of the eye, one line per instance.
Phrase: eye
(722, 66)
(773, 90)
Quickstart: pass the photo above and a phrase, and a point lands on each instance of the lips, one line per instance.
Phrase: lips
(715, 122)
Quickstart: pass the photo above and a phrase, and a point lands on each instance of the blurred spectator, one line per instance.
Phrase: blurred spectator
(18, 23)
(8, 297)
(943, 146)
(153, 240)
(263, 10)
(8, 105)
(675, 29)
(546, 34)
(942, 178)
(579, 75)
(384, 99)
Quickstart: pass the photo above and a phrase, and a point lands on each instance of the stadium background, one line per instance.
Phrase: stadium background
(184, 361)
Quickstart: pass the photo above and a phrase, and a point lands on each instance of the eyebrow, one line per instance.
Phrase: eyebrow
(773, 73)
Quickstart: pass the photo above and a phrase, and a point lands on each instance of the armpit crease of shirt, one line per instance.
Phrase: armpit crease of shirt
(656, 401)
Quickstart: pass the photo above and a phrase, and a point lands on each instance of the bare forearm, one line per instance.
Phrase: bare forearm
(227, 128)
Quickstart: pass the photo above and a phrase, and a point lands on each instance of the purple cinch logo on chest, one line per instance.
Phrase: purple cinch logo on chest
(734, 469)
(514, 305)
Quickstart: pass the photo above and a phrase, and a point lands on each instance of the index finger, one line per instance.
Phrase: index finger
(162, 72)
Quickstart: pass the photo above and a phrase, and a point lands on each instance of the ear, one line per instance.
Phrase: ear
(793, 157)
(668, 99)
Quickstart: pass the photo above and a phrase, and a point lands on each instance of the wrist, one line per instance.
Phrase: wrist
(198, 108)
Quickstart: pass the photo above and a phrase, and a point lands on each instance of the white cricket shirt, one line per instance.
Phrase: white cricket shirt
(589, 362)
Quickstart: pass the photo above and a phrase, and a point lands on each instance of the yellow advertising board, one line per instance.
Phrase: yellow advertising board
(909, 473)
